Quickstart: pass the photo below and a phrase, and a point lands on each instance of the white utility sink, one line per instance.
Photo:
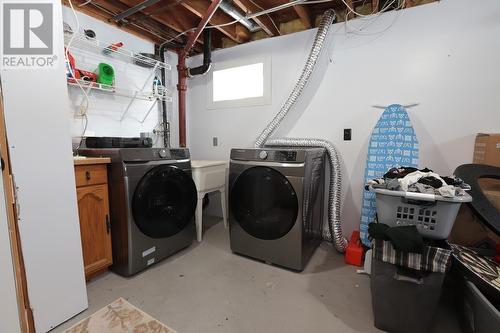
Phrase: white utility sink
(209, 176)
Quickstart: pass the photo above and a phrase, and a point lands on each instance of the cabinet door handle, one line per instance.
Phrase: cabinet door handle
(108, 224)
(87, 175)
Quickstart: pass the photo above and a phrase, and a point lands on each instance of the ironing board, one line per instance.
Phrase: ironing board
(393, 143)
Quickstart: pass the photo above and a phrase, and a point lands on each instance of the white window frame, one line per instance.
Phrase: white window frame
(252, 101)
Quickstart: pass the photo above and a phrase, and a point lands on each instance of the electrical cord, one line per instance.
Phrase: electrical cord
(371, 19)
(82, 112)
(269, 16)
(299, 2)
(372, 16)
(129, 22)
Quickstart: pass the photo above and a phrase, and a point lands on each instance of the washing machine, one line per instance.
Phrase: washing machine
(276, 204)
(152, 202)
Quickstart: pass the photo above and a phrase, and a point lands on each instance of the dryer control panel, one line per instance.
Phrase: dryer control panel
(270, 155)
(285, 155)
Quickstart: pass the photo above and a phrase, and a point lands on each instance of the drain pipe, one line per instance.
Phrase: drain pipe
(207, 56)
(182, 70)
(184, 73)
(164, 116)
(181, 89)
(333, 232)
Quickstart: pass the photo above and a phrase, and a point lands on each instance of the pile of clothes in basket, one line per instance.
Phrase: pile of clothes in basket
(410, 256)
(426, 181)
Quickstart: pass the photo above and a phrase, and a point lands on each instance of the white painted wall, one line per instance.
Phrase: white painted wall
(37, 121)
(105, 109)
(8, 302)
(444, 56)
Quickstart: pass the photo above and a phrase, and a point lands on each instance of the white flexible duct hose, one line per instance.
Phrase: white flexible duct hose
(334, 230)
(312, 59)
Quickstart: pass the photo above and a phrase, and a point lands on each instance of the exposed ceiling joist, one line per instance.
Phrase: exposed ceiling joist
(264, 21)
(134, 9)
(237, 33)
(305, 16)
(104, 11)
(351, 5)
(177, 18)
(161, 20)
(205, 18)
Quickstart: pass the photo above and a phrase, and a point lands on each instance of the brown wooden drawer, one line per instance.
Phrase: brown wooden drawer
(91, 174)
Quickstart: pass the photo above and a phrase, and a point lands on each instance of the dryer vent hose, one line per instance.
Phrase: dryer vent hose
(334, 230)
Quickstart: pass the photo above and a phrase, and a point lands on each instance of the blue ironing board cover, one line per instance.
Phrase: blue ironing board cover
(393, 143)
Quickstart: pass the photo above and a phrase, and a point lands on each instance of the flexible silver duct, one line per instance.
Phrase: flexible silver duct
(333, 231)
(229, 9)
(312, 59)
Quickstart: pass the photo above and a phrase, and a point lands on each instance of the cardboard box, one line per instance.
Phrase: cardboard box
(468, 229)
(487, 149)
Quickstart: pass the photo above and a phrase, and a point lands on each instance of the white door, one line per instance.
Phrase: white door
(38, 129)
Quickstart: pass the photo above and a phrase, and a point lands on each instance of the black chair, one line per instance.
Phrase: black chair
(481, 206)
(468, 265)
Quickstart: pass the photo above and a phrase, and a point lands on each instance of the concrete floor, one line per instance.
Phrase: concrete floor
(206, 288)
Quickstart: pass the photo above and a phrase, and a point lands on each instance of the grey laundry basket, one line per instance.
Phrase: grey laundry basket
(433, 215)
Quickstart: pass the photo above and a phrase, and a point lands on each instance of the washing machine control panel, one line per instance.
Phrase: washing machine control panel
(285, 156)
(162, 153)
(175, 154)
(278, 155)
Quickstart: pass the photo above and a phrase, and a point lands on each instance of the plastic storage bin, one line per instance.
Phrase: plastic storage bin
(480, 314)
(433, 215)
(403, 304)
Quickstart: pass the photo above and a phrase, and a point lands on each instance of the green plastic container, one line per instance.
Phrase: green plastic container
(105, 74)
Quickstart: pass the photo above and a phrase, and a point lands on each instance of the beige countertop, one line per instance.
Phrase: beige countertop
(196, 164)
(80, 160)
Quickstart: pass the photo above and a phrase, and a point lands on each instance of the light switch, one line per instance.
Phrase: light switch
(347, 134)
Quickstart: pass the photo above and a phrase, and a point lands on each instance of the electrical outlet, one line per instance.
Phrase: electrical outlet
(215, 141)
(347, 134)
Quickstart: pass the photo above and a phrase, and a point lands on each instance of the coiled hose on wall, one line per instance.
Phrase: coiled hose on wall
(334, 230)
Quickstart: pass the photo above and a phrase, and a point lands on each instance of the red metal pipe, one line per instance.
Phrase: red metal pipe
(199, 29)
(181, 69)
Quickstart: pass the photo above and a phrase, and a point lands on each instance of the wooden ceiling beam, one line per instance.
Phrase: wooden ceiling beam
(305, 16)
(149, 25)
(181, 21)
(263, 21)
(152, 31)
(235, 32)
(175, 19)
(351, 14)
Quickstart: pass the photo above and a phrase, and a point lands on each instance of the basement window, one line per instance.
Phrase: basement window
(238, 84)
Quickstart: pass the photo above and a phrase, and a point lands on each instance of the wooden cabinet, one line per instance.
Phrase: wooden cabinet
(93, 209)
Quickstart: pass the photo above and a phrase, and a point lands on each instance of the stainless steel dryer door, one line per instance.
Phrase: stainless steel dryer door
(264, 202)
(164, 201)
